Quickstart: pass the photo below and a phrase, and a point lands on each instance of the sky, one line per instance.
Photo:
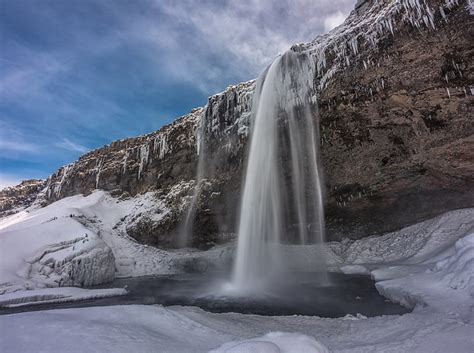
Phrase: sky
(76, 75)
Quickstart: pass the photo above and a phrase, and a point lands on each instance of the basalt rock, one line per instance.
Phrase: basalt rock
(394, 86)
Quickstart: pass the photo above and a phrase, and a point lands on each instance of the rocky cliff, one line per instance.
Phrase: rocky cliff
(395, 87)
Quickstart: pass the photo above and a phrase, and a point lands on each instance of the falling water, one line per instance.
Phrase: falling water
(186, 228)
(283, 182)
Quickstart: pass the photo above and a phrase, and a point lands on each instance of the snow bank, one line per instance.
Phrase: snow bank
(457, 271)
(48, 248)
(443, 285)
(413, 244)
(275, 342)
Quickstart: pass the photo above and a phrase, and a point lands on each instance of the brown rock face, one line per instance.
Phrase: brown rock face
(395, 87)
(135, 165)
(398, 136)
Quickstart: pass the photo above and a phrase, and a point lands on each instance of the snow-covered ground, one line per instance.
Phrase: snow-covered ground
(82, 241)
(428, 267)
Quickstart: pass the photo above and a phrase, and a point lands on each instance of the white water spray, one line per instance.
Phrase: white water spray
(270, 207)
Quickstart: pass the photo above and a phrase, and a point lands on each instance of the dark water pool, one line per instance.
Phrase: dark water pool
(307, 294)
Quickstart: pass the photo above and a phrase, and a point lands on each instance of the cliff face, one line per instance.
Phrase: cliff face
(395, 87)
(397, 125)
(21, 196)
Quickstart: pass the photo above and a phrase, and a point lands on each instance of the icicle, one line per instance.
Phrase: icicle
(353, 44)
(430, 17)
(65, 171)
(97, 172)
(163, 147)
(124, 163)
(443, 14)
(390, 25)
(199, 136)
(144, 154)
(48, 188)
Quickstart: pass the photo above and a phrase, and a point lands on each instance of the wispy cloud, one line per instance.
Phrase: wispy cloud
(14, 141)
(71, 146)
(17, 146)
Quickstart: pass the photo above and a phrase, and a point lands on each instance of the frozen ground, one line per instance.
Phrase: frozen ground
(428, 266)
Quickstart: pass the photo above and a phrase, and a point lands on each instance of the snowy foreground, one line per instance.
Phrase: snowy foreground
(80, 241)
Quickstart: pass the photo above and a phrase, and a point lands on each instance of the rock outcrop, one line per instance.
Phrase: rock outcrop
(395, 87)
(14, 198)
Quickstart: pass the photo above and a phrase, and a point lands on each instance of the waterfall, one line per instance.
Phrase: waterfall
(185, 230)
(282, 186)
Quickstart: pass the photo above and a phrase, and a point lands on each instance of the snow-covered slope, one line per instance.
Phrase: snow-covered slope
(435, 277)
(50, 247)
(83, 241)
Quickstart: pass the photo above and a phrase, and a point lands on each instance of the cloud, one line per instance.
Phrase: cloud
(334, 20)
(219, 41)
(17, 146)
(71, 146)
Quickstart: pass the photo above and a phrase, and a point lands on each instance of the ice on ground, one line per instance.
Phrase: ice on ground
(56, 295)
